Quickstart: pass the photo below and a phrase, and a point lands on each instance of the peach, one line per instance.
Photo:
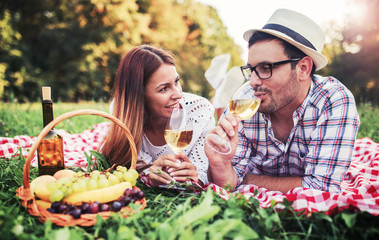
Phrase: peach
(67, 173)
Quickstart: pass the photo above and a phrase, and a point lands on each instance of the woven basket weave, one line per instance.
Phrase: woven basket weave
(27, 197)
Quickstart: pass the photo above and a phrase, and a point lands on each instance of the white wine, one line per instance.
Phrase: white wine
(244, 108)
(178, 140)
(50, 150)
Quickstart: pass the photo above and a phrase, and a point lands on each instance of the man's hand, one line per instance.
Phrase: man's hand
(220, 169)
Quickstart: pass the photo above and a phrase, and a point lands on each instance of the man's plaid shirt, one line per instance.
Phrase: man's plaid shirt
(319, 147)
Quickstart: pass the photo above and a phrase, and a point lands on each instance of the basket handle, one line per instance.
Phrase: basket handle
(51, 125)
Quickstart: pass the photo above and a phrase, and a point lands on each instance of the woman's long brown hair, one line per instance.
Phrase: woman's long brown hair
(133, 73)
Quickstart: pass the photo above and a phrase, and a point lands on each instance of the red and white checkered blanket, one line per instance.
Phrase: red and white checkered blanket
(360, 190)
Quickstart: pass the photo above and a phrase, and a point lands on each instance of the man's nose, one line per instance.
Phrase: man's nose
(255, 80)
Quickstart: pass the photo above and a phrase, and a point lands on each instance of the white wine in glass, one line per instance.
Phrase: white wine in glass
(178, 132)
(178, 140)
(242, 107)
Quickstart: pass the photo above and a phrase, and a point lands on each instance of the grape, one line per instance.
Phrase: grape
(51, 210)
(82, 185)
(95, 174)
(52, 187)
(119, 175)
(140, 195)
(76, 213)
(122, 197)
(92, 184)
(56, 196)
(63, 181)
(134, 173)
(69, 191)
(128, 177)
(116, 206)
(113, 179)
(121, 169)
(133, 193)
(102, 177)
(64, 190)
(62, 208)
(75, 187)
(55, 205)
(85, 207)
(94, 207)
(102, 183)
(127, 200)
(79, 174)
(104, 207)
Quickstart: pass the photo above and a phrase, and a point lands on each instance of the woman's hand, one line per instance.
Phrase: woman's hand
(158, 173)
(185, 171)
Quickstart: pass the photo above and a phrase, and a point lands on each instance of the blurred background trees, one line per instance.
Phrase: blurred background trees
(75, 46)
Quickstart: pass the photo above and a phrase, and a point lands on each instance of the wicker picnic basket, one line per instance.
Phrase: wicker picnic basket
(27, 197)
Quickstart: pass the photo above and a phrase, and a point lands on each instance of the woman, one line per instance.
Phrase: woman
(146, 89)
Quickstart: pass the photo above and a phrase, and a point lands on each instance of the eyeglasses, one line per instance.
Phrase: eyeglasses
(263, 70)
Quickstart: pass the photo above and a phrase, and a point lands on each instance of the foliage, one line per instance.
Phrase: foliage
(75, 46)
(353, 53)
(180, 215)
(369, 127)
(176, 215)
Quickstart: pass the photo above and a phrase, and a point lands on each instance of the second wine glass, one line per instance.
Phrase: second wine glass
(178, 132)
(243, 105)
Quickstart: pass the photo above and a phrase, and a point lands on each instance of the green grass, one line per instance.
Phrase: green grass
(369, 117)
(169, 214)
(26, 119)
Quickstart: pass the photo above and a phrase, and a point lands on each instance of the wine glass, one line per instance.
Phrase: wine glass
(243, 105)
(178, 135)
(178, 132)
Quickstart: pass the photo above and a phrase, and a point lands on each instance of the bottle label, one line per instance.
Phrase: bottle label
(50, 152)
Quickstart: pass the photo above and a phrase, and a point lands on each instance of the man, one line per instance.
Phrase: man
(304, 131)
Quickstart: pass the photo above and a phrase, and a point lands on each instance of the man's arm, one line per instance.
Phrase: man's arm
(283, 184)
(220, 170)
(222, 175)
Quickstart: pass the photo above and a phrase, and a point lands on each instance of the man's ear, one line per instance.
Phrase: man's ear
(304, 68)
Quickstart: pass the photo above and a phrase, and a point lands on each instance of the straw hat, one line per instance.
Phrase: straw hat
(215, 74)
(298, 30)
(233, 80)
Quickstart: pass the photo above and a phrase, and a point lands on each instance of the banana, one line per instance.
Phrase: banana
(103, 195)
(43, 204)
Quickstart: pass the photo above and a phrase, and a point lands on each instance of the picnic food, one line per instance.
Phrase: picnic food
(76, 188)
(64, 173)
(102, 195)
(39, 186)
(50, 149)
(64, 185)
(128, 196)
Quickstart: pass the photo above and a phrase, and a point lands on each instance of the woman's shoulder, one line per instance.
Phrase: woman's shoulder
(193, 99)
(197, 104)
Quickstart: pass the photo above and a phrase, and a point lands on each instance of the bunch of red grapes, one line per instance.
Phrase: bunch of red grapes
(130, 195)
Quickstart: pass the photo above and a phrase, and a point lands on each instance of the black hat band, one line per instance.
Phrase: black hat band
(294, 35)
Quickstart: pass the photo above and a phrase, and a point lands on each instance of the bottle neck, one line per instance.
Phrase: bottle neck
(47, 111)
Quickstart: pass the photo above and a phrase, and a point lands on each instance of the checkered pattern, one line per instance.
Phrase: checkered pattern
(360, 189)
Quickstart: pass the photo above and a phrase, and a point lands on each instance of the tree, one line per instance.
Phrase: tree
(355, 55)
(75, 45)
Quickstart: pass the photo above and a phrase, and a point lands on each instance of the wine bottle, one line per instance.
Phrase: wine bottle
(50, 149)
